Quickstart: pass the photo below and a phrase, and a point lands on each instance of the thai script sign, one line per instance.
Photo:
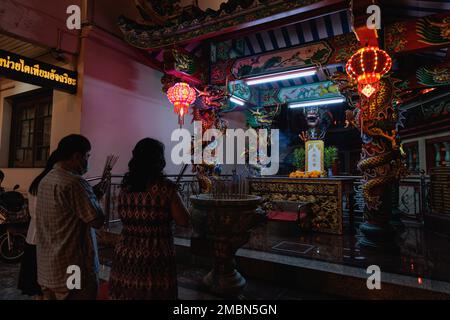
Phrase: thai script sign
(42, 74)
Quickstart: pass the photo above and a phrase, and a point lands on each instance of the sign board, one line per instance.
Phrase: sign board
(42, 74)
(314, 155)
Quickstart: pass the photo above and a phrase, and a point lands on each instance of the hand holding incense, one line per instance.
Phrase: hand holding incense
(105, 180)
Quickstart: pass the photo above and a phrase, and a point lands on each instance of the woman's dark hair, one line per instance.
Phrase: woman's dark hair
(51, 161)
(146, 165)
(72, 144)
(2, 176)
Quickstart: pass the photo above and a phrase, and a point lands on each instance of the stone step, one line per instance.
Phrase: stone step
(321, 277)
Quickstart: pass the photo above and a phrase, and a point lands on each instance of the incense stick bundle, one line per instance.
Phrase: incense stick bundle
(110, 162)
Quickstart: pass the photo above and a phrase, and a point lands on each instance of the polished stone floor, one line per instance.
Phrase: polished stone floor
(189, 286)
(422, 254)
(423, 261)
(8, 282)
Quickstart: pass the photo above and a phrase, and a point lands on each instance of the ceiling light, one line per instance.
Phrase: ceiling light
(316, 103)
(237, 100)
(281, 76)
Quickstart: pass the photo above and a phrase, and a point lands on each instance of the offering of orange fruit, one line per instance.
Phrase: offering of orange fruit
(313, 174)
(301, 174)
(297, 174)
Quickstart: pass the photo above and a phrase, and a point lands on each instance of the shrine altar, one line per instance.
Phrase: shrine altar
(325, 196)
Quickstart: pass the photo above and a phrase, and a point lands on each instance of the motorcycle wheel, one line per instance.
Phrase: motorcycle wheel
(16, 252)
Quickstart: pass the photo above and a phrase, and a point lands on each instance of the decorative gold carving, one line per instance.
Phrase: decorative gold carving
(325, 196)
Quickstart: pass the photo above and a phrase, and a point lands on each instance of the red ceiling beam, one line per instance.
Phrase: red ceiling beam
(420, 34)
(316, 10)
(366, 36)
(293, 16)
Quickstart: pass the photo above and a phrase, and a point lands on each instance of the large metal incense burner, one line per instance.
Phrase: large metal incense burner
(223, 224)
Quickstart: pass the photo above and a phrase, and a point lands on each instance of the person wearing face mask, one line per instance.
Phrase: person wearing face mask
(67, 210)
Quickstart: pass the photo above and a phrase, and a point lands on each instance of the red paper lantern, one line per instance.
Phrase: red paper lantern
(367, 66)
(181, 95)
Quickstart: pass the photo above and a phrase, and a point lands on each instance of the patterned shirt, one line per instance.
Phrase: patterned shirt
(65, 205)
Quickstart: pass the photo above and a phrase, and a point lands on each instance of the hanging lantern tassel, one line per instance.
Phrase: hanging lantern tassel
(181, 110)
(181, 95)
(367, 66)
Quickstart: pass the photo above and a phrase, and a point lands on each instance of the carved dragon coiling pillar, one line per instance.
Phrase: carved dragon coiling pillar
(382, 164)
(206, 109)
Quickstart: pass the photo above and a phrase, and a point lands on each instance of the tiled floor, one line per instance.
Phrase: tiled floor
(422, 260)
(421, 253)
(8, 282)
(189, 285)
(423, 256)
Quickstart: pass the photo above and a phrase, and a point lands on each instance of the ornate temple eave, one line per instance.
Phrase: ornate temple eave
(213, 23)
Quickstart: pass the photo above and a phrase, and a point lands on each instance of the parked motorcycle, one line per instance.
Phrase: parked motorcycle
(14, 220)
